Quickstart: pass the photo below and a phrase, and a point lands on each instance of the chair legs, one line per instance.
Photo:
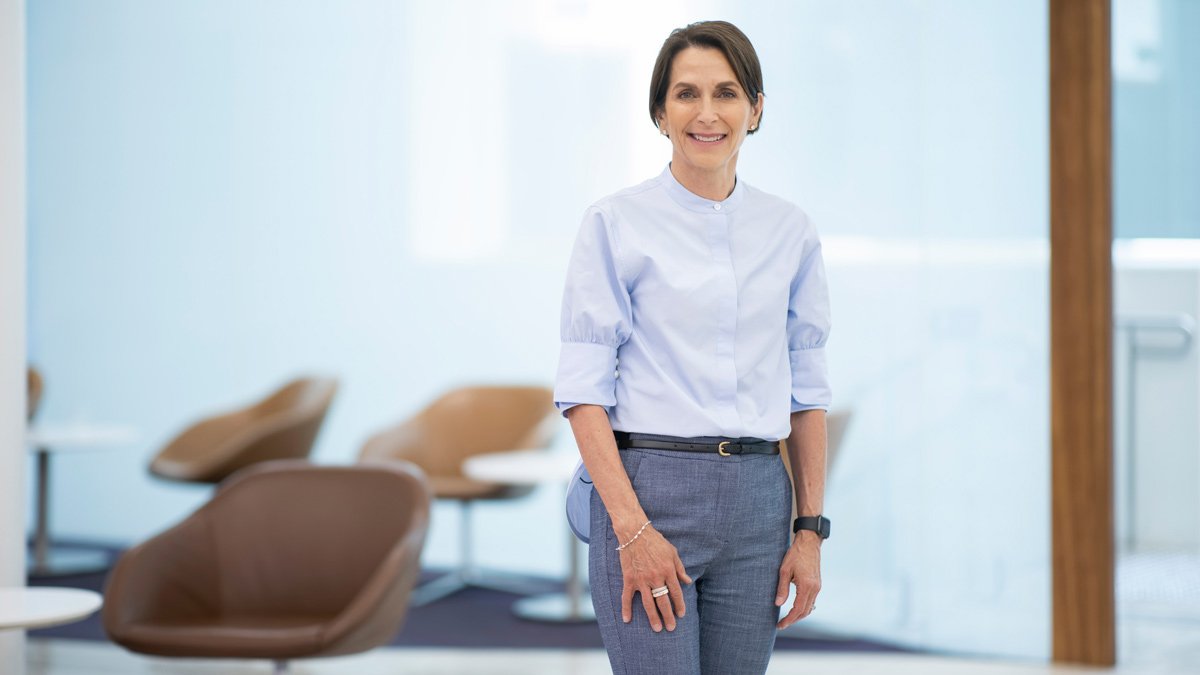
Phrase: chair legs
(468, 574)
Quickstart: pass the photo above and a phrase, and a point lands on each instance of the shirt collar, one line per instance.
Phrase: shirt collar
(693, 202)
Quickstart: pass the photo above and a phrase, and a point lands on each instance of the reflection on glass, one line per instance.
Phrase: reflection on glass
(1156, 276)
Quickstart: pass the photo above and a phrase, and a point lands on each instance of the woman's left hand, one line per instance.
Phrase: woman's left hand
(801, 566)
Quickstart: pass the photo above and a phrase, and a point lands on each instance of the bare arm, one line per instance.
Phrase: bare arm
(802, 564)
(806, 451)
(650, 561)
(598, 448)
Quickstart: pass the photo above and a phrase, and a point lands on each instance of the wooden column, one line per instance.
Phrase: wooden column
(1081, 331)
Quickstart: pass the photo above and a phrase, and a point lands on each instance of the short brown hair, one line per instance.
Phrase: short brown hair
(720, 35)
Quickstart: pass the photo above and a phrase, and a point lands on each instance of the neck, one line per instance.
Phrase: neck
(715, 185)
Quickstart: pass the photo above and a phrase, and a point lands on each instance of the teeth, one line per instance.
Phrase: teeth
(707, 139)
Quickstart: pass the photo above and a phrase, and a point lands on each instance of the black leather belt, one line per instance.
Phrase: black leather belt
(721, 446)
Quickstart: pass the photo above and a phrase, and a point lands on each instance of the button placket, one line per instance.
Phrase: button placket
(726, 319)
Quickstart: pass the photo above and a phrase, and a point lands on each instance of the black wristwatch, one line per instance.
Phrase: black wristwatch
(818, 524)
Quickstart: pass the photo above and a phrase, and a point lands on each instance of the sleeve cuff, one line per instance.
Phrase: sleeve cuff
(810, 379)
(586, 374)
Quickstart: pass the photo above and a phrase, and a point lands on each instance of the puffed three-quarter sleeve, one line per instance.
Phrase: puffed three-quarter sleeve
(596, 318)
(808, 330)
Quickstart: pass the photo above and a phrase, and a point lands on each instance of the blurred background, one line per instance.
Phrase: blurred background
(223, 195)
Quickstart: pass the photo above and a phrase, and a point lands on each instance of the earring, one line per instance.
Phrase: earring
(753, 127)
(664, 133)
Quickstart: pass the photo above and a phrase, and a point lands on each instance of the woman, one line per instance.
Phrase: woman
(694, 322)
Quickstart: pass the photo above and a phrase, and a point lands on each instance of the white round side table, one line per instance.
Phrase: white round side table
(48, 560)
(42, 607)
(534, 467)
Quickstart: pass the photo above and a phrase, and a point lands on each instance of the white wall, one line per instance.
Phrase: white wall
(225, 193)
(12, 311)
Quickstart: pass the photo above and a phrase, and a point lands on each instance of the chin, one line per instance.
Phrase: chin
(708, 163)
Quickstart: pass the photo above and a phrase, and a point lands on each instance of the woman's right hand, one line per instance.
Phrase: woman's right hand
(647, 563)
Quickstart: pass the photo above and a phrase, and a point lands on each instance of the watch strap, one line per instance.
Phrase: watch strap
(818, 524)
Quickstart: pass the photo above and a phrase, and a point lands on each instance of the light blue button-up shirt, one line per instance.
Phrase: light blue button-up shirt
(691, 317)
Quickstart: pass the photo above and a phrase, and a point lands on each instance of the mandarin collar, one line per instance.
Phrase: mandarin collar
(694, 202)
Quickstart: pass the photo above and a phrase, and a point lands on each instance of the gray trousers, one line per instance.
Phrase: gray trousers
(729, 518)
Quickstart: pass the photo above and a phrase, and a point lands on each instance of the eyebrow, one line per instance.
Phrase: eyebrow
(729, 83)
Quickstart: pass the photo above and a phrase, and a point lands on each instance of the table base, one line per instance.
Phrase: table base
(556, 608)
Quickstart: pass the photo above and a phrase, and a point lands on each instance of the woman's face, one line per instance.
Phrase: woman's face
(706, 113)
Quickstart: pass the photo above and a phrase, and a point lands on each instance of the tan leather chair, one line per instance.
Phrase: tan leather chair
(288, 560)
(282, 426)
(460, 424)
(33, 391)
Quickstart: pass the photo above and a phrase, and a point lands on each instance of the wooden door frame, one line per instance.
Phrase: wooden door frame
(1084, 620)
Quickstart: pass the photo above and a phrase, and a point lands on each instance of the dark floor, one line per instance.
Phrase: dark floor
(474, 617)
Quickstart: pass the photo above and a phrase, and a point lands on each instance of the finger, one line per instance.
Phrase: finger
(627, 603)
(792, 616)
(681, 571)
(651, 609)
(801, 608)
(806, 597)
(676, 595)
(664, 607)
(781, 592)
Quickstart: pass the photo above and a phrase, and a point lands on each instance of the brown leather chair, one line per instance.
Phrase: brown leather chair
(33, 391)
(288, 560)
(282, 426)
(460, 424)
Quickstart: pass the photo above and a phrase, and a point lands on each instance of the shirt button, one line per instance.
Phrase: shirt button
(716, 207)
(616, 374)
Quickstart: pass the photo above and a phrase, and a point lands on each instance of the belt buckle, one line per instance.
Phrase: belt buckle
(721, 449)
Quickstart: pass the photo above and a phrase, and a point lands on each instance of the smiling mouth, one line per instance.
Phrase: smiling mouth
(708, 139)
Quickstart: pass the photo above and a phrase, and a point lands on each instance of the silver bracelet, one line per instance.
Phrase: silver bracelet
(639, 533)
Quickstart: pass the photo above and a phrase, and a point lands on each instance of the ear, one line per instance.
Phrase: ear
(758, 108)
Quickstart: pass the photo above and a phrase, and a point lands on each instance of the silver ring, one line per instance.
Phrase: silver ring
(660, 591)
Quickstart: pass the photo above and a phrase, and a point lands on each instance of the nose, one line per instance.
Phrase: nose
(708, 111)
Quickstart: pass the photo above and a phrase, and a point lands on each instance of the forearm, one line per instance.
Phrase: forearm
(598, 448)
(806, 452)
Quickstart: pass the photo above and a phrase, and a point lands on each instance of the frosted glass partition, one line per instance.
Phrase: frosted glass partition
(224, 193)
(915, 134)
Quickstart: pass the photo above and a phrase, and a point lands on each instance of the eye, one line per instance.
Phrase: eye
(727, 93)
(686, 94)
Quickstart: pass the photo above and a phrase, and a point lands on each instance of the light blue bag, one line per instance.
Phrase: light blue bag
(579, 502)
